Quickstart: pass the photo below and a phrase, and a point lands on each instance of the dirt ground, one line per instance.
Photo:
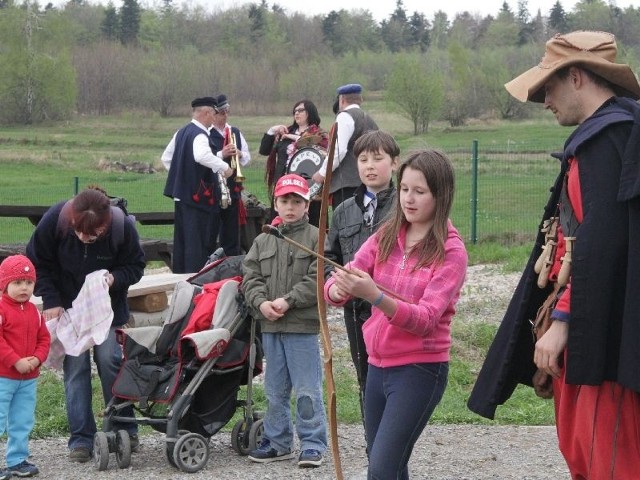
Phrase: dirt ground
(455, 452)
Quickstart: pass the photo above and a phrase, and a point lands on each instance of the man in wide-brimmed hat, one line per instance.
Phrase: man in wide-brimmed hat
(589, 357)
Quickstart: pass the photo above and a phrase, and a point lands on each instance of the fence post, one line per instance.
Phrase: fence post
(474, 192)
(76, 181)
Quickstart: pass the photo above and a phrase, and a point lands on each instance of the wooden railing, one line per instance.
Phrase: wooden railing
(154, 249)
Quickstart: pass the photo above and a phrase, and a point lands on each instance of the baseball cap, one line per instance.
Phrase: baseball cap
(292, 183)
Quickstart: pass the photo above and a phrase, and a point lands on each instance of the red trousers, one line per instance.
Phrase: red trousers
(598, 430)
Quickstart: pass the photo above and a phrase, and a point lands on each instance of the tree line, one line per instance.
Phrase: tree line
(84, 58)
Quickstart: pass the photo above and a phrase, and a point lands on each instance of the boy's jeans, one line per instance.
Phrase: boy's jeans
(293, 362)
(17, 413)
(77, 388)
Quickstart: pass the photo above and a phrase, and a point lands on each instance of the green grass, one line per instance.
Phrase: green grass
(41, 165)
(470, 344)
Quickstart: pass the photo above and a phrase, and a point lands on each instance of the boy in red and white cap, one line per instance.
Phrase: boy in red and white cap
(24, 346)
(280, 285)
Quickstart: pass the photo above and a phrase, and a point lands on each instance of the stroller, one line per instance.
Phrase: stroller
(183, 378)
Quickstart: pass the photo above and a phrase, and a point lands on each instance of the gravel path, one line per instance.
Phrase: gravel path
(455, 452)
(452, 452)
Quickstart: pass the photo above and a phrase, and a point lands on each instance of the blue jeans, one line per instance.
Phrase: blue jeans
(293, 363)
(398, 404)
(17, 414)
(78, 392)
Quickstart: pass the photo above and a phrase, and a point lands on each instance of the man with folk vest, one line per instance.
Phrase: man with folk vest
(193, 170)
(352, 122)
(226, 142)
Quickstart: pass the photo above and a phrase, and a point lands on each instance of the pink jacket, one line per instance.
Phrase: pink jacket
(420, 331)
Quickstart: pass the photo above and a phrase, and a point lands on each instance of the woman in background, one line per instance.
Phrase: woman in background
(281, 142)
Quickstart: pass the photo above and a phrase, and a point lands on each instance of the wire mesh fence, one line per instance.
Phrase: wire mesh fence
(501, 200)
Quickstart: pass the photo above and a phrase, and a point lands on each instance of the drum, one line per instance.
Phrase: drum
(306, 162)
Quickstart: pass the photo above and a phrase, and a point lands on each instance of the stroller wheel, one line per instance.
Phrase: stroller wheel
(101, 451)
(123, 449)
(255, 434)
(240, 437)
(191, 452)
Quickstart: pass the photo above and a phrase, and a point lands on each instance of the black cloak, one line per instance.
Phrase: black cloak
(604, 333)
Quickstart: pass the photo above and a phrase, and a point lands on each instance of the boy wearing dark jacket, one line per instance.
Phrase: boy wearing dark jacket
(355, 220)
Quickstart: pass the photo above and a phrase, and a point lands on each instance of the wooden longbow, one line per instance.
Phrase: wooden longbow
(322, 309)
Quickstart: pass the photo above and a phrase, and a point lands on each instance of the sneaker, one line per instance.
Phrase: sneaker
(80, 454)
(6, 474)
(310, 458)
(265, 453)
(24, 469)
(135, 442)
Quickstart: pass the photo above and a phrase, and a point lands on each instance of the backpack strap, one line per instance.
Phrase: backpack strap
(117, 227)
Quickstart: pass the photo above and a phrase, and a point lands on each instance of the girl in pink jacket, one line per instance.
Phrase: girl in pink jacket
(419, 255)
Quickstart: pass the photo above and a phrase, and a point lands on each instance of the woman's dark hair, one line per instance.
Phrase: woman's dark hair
(313, 117)
(90, 212)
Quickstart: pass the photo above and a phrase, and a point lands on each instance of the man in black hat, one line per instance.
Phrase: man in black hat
(587, 356)
(193, 171)
(353, 122)
(227, 141)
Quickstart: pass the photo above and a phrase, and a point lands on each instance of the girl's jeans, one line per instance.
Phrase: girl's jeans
(398, 404)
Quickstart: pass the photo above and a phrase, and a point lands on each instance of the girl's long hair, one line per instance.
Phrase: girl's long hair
(438, 172)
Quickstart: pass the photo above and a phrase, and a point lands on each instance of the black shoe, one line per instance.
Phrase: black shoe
(265, 453)
(24, 469)
(80, 454)
(310, 458)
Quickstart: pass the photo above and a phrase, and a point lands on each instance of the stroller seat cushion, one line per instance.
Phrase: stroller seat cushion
(144, 337)
(210, 343)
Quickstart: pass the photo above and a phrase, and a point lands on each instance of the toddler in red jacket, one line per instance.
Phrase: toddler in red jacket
(24, 345)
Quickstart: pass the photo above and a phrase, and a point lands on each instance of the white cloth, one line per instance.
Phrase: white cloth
(85, 324)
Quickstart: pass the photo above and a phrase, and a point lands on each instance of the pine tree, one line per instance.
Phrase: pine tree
(558, 18)
(109, 24)
(129, 22)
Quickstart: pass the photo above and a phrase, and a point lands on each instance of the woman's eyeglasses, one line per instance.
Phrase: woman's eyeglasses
(86, 238)
(299, 110)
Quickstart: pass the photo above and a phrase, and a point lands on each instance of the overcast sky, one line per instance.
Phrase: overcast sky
(380, 9)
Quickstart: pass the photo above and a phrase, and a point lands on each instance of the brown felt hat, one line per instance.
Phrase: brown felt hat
(594, 51)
